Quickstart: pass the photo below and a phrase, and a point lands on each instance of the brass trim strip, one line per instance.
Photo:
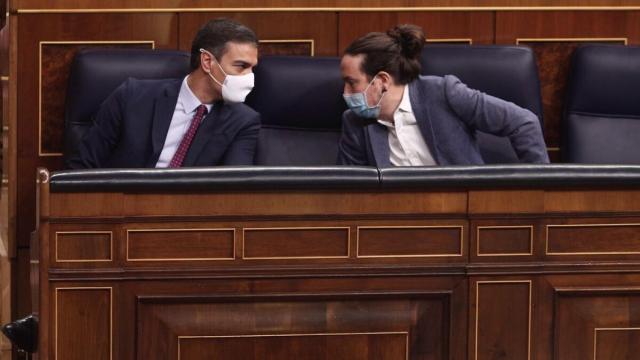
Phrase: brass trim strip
(461, 227)
(579, 39)
(112, 42)
(530, 285)
(553, 149)
(546, 247)
(285, 41)
(595, 336)
(530, 227)
(129, 259)
(452, 40)
(110, 288)
(348, 229)
(406, 334)
(85, 233)
(328, 9)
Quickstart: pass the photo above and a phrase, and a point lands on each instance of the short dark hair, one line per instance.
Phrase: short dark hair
(396, 51)
(215, 35)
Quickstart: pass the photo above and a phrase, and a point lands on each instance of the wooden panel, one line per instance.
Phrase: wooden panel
(83, 246)
(286, 47)
(477, 26)
(410, 241)
(286, 203)
(506, 201)
(543, 29)
(597, 323)
(180, 244)
(504, 240)
(502, 320)
(593, 239)
(616, 343)
(55, 64)
(328, 5)
(563, 201)
(298, 327)
(83, 323)
(382, 346)
(283, 243)
(159, 28)
(321, 28)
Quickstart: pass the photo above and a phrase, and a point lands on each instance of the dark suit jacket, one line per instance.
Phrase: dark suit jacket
(448, 114)
(131, 126)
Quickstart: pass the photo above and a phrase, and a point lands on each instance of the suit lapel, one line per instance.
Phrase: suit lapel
(210, 123)
(379, 139)
(419, 105)
(165, 105)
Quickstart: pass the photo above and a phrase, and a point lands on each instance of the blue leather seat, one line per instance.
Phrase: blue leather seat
(96, 73)
(602, 112)
(507, 72)
(300, 103)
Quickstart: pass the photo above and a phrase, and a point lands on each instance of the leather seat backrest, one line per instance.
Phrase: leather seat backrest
(300, 103)
(602, 111)
(507, 72)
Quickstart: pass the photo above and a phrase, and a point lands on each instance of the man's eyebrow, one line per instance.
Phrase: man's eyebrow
(241, 62)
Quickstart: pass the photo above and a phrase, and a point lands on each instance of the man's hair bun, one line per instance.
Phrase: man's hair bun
(410, 38)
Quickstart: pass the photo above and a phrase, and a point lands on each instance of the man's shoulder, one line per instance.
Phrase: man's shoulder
(242, 111)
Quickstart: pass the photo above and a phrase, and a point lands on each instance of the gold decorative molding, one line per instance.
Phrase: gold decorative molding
(85, 233)
(55, 312)
(478, 283)
(460, 227)
(285, 41)
(579, 39)
(546, 240)
(595, 336)
(530, 227)
(327, 9)
(177, 230)
(348, 230)
(105, 42)
(453, 40)
(406, 334)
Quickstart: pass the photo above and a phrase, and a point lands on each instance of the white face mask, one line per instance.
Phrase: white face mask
(235, 88)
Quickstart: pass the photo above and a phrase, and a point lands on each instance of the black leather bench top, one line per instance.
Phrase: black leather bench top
(215, 178)
(347, 177)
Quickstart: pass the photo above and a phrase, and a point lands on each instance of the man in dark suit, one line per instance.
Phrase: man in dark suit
(196, 121)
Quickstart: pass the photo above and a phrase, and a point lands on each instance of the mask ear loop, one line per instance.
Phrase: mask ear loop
(365, 94)
(217, 63)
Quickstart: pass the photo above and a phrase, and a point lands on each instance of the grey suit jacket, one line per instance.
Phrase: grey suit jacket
(448, 114)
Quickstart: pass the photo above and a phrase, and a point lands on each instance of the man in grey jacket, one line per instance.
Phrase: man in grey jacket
(398, 118)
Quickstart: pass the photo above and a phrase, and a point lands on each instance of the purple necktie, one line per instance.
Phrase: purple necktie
(181, 153)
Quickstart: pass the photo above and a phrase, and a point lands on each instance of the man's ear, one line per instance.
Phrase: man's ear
(385, 79)
(205, 61)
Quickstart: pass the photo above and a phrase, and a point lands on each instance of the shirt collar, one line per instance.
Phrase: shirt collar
(405, 103)
(188, 100)
(404, 107)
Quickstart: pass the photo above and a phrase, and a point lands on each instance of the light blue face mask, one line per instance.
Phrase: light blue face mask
(357, 102)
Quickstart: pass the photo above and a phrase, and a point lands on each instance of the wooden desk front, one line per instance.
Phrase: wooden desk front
(386, 274)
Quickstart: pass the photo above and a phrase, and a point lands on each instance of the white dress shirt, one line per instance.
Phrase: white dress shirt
(180, 122)
(407, 147)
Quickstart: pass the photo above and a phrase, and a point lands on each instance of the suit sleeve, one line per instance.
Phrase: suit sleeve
(243, 147)
(351, 146)
(496, 116)
(98, 142)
